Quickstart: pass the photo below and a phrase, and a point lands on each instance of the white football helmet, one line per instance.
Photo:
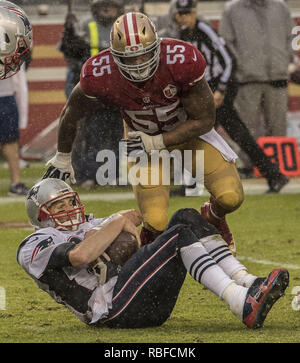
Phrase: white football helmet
(132, 35)
(42, 195)
(15, 38)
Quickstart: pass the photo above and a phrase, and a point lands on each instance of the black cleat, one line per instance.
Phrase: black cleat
(261, 297)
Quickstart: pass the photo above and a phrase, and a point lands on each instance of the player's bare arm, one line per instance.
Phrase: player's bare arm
(199, 105)
(77, 107)
(97, 241)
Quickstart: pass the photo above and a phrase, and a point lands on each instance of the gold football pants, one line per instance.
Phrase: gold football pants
(221, 179)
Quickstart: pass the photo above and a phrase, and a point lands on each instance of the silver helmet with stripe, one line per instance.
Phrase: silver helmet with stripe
(42, 196)
(15, 38)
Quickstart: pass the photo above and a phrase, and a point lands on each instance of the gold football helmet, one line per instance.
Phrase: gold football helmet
(134, 35)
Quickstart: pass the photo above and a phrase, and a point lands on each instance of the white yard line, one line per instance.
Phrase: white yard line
(267, 262)
(250, 188)
(113, 197)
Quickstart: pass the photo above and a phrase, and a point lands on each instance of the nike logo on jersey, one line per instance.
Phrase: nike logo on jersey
(194, 56)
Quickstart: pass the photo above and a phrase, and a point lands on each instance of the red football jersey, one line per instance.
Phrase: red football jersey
(154, 106)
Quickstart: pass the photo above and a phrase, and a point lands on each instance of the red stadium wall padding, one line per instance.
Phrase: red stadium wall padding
(281, 150)
(46, 96)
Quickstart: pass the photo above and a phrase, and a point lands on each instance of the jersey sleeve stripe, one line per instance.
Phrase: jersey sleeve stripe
(196, 80)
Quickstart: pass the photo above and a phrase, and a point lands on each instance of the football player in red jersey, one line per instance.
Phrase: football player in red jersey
(161, 91)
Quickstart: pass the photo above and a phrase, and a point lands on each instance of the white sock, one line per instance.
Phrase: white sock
(243, 278)
(235, 296)
(204, 269)
(219, 251)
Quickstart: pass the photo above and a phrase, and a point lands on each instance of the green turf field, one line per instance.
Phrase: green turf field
(267, 231)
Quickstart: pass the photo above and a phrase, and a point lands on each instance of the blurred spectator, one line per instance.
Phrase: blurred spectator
(295, 73)
(166, 25)
(259, 34)
(11, 91)
(219, 74)
(81, 40)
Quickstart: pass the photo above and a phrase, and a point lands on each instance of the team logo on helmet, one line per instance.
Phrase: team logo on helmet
(32, 194)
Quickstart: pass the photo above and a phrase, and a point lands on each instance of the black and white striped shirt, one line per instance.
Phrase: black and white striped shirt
(219, 61)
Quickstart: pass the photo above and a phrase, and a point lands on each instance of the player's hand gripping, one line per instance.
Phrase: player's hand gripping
(133, 215)
(130, 227)
(139, 141)
(60, 167)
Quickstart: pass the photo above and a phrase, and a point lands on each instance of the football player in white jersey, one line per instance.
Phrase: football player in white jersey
(15, 48)
(15, 38)
(59, 256)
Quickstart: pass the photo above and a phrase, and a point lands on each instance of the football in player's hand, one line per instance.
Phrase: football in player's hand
(122, 248)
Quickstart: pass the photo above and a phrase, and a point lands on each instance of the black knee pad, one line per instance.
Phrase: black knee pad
(183, 216)
(194, 220)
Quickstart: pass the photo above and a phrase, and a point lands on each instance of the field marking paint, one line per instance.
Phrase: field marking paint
(110, 197)
(267, 262)
(2, 298)
(115, 197)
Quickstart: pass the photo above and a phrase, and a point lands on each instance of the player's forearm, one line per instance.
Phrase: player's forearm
(67, 131)
(187, 131)
(199, 105)
(96, 242)
(78, 106)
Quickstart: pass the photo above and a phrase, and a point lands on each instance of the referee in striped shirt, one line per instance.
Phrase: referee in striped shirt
(219, 74)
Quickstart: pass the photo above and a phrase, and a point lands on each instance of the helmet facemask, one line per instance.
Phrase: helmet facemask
(139, 72)
(134, 35)
(68, 219)
(11, 64)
